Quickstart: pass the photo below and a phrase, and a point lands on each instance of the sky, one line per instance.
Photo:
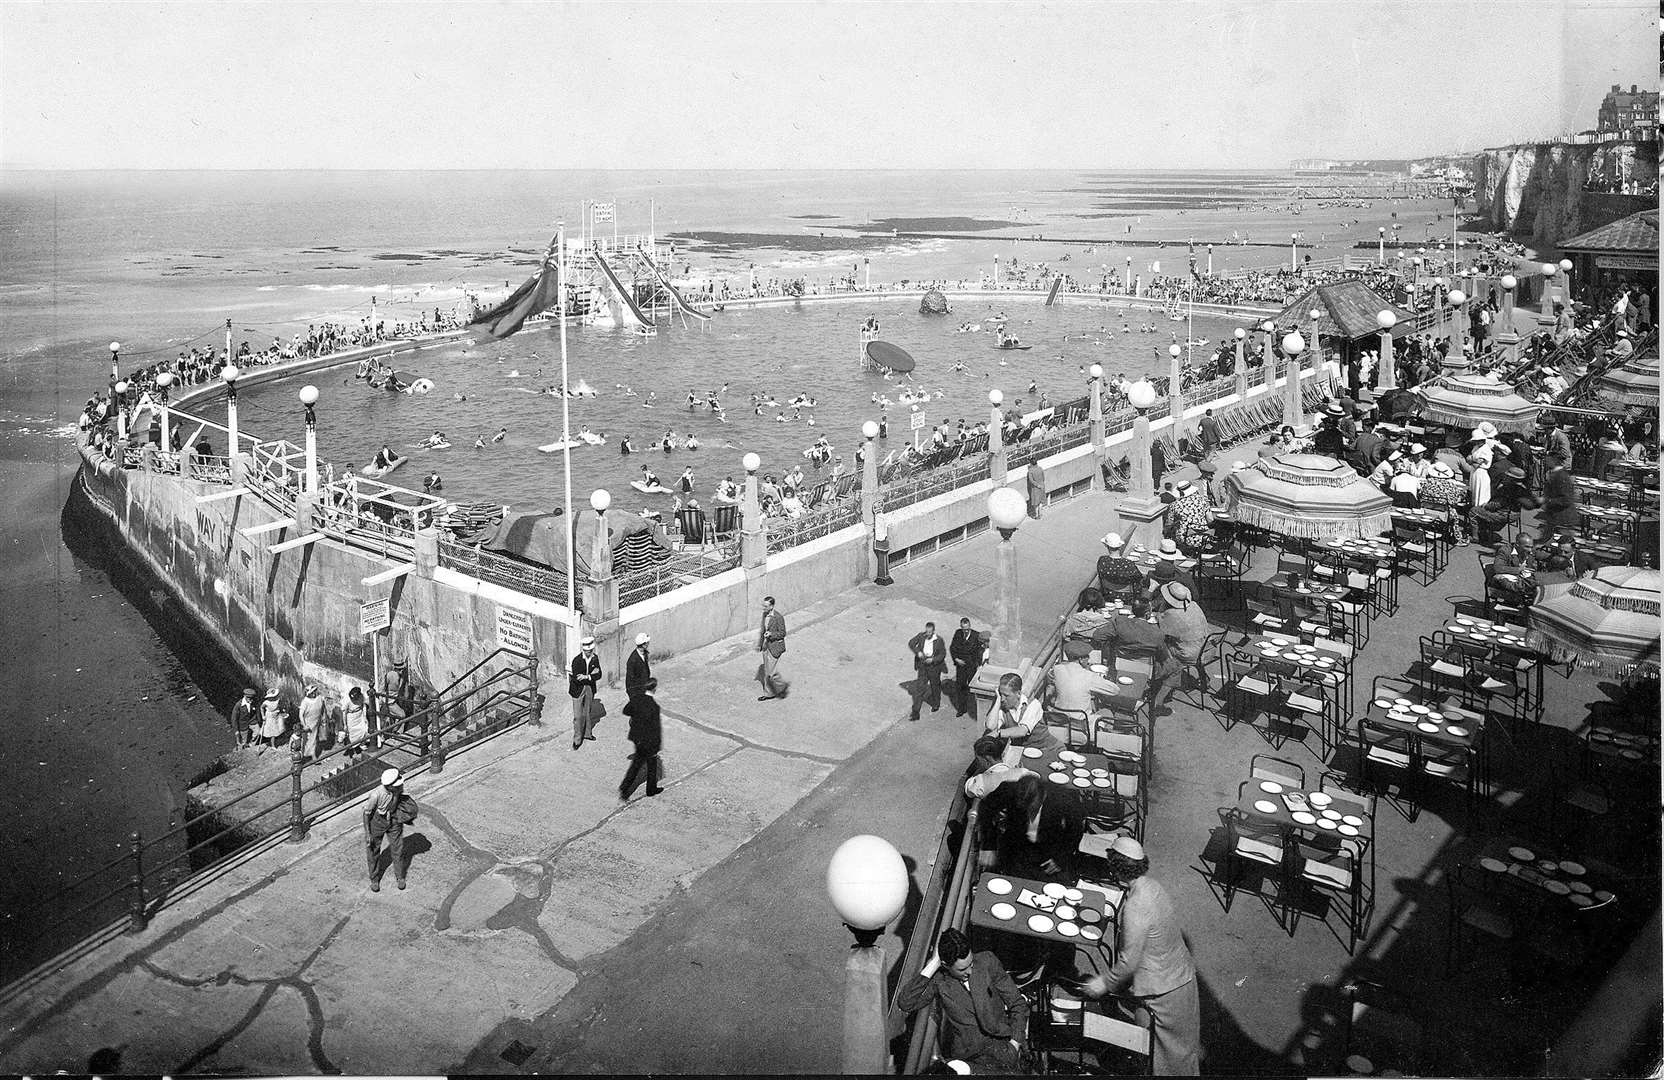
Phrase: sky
(1112, 84)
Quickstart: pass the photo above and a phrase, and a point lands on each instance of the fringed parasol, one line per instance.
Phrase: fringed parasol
(1633, 383)
(1468, 400)
(1307, 495)
(1608, 622)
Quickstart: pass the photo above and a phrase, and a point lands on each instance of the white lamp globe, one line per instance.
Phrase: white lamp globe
(115, 346)
(1293, 343)
(165, 379)
(995, 397)
(1096, 371)
(308, 395)
(599, 500)
(870, 429)
(1386, 320)
(1509, 281)
(1006, 508)
(751, 462)
(1457, 297)
(867, 882)
(1141, 395)
(1294, 237)
(1174, 351)
(229, 373)
(121, 387)
(1550, 269)
(1267, 326)
(1314, 314)
(1241, 333)
(1565, 266)
(1381, 231)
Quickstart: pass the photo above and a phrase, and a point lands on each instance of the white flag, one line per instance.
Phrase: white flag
(601, 211)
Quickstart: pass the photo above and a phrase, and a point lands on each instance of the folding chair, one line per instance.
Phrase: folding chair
(1386, 752)
(1286, 773)
(1249, 842)
(1413, 552)
(1336, 868)
(1473, 911)
(726, 522)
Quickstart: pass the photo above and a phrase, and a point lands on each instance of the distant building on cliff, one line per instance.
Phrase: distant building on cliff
(1634, 110)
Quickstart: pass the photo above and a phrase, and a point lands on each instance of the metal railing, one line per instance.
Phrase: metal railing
(542, 582)
(925, 485)
(813, 525)
(141, 881)
(690, 565)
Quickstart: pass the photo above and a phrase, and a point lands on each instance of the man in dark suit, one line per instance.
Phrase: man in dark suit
(638, 668)
(930, 660)
(984, 1015)
(771, 642)
(966, 650)
(647, 733)
(582, 680)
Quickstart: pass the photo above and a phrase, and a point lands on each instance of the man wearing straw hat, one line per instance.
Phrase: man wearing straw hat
(1183, 629)
(383, 821)
(582, 681)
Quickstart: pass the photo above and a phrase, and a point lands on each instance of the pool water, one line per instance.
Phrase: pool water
(779, 352)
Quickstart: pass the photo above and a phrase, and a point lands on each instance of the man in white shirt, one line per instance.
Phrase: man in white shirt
(1017, 719)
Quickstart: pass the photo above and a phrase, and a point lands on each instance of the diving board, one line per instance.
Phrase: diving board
(229, 493)
(270, 526)
(299, 541)
(387, 575)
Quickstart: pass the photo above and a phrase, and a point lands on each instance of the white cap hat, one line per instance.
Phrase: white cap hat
(391, 778)
(1112, 540)
(1126, 845)
(589, 639)
(642, 639)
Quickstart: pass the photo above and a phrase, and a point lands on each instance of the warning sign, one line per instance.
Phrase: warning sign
(514, 630)
(376, 615)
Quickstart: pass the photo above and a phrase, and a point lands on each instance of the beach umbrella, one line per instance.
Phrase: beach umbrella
(1470, 399)
(1307, 495)
(1635, 382)
(1608, 621)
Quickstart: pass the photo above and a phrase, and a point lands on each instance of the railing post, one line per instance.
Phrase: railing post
(297, 763)
(136, 917)
(434, 737)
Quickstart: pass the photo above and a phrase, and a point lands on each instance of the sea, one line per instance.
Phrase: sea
(112, 707)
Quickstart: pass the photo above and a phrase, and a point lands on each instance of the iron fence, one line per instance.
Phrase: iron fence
(683, 568)
(542, 582)
(814, 525)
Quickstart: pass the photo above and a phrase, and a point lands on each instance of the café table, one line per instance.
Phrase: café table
(1147, 559)
(1541, 881)
(1509, 645)
(1300, 813)
(1600, 521)
(1045, 910)
(1318, 659)
(1122, 692)
(1608, 745)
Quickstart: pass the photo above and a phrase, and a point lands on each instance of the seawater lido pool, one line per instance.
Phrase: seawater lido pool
(782, 353)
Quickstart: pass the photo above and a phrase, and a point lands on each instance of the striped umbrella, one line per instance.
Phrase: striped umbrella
(1635, 382)
(1469, 399)
(1307, 495)
(1608, 621)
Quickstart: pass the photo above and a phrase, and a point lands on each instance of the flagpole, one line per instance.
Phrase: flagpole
(566, 440)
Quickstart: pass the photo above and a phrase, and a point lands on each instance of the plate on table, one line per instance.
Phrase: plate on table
(1557, 887)
(1088, 915)
(1548, 866)
(1319, 799)
(1083, 781)
(1431, 729)
(1572, 869)
(1068, 929)
(1099, 773)
(1101, 782)
(1420, 710)
(1031, 751)
(1304, 818)
(1602, 895)
(1347, 830)
(1383, 703)
(1630, 755)
(1353, 820)
(1580, 900)
(1100, 669)
(1464, 620)
(1522, 854)
(1003, 912)
(1457, 730)
(1070, 756)
(1059, 778)
(1579, 887)
(1091, 933)
(1327, 823)
(1402, 702)
(1331, 814)
(999, 886)
(1271, 787)
(1065, 912)
(1495, 866)
(1082, 771)
(1124, 680)
(1054, 890)
(1074, 896)
(1308, 661)
(1040, 924)
(1265, 806)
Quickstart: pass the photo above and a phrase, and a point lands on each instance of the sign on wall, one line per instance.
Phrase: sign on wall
(514, 630)
(375, 615)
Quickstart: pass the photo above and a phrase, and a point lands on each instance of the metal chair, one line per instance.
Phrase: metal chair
(1473, 911)
(1284, 772)
(1253, 843)
(1337, 869)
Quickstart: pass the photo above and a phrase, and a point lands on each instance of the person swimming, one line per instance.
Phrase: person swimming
(502, 433)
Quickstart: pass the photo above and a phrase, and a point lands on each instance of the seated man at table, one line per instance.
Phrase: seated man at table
(1069, 692)
(1129, 635)
(984, 1014)
(1017, 719)
(1183, 628)
(1038, 828)
(1117, 574)
(989, 770)
(1514, 571)
(1090, 612)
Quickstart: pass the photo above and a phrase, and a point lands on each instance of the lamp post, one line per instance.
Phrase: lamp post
(1549, 270)
(309, 399)
(1095, 411)
(1210, 260)
(121, 411)
(1415, 271)
(600, 555)
(1438, 305)
(867, 882)
(1294, 252)
(1508, 340)
(1421, 261)
(1141, 395)
(1316, 343)
(1175, 382)
(1456, 358)
(996, 437)
(1381, 246)
(869, 472)
(1240, 371)
(1006, 510)
(115, 362)
(163, 381)
(1269, 348)
(1386, 377)
(753, 540)
(228, 375)
(1293, 346)
(1566, 281)
(1127, 286)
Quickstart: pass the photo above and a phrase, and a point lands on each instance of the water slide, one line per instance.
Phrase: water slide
(626, 301)
(676, 298)
(1051, 297)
